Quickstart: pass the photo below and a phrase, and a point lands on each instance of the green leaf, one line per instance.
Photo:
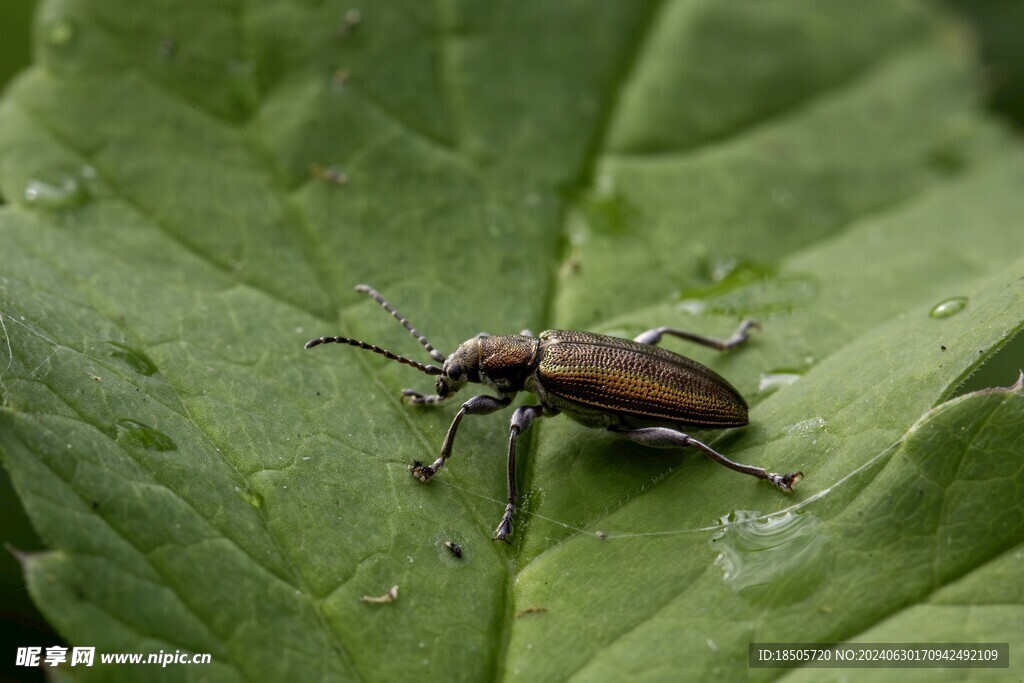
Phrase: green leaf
(194, 190)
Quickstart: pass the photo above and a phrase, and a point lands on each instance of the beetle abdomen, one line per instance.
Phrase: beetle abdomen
(639, 380)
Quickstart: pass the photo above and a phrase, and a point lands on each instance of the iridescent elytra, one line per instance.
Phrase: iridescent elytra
(633, 388)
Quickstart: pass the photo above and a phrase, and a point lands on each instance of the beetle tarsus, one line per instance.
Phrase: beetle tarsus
(421, 471)
(504, 529)
(785, 482)
(742, 333)
(417, 398)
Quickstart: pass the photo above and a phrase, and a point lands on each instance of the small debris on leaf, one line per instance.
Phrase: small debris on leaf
(390, 596)
(349, 22)
(331, 174)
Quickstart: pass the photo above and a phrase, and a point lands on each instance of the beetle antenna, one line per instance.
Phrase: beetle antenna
(370, 291)
(427, 369)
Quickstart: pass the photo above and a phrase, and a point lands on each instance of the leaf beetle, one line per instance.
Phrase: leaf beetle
(632, 388)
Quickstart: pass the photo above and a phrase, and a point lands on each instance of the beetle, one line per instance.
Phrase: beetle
(632, 388)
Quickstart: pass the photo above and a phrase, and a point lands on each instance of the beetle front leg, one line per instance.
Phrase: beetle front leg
(478, 405)
(741, 335)
(522, 418)
(663, 437)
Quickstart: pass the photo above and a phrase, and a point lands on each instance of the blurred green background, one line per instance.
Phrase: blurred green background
(20, 621)
(997, 23)
(15, 48)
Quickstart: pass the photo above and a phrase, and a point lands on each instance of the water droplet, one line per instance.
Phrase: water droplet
(807, 426)
(949, 307)
(770, 553)
(137, 360)
(251, 497)
(60, 32)
(721, 268)
(691, 306)
(64, 193)
(774, 380)
(144, 435)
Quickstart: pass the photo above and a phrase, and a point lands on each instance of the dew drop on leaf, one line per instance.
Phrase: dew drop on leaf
(949, 307)
(62, 194)
(135, 359)
(251, 497)
(143, 435)
(776, 379)
(758, 551)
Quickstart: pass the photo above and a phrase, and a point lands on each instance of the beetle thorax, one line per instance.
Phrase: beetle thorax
(507, 361)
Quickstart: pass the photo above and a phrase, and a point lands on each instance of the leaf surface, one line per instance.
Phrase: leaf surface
(195, 188)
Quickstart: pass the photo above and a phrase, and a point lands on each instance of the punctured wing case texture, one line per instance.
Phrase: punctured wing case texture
(636, 380)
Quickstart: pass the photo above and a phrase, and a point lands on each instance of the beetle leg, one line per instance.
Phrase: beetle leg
(522, 418)
(478, 405)
(419, 399)
(663, 437)
(653, 336)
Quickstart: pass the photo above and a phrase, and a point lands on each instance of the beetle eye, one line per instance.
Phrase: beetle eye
(455, 372)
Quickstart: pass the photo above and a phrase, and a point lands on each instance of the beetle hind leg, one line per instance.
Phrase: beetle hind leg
(663, 437)
(653, 336)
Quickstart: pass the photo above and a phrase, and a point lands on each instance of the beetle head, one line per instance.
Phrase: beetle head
(460, 368)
